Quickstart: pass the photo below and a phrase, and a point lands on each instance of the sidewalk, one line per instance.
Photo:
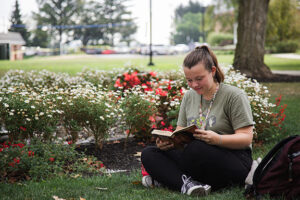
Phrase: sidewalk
(287, 55)
(290, 72)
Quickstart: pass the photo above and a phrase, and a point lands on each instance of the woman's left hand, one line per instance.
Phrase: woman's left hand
(210, 137)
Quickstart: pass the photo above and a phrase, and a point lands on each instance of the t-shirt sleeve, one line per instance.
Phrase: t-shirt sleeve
(240, 111)
(182, 120)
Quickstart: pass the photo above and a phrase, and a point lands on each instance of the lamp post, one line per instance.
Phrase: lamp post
(203, 8)
(150, 45)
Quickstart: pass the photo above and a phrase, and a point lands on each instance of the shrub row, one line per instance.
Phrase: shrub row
(133, 101)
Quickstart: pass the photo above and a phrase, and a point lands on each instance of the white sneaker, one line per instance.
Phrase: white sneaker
(148, 181)
(191, 187)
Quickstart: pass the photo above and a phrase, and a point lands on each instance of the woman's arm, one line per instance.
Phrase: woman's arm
(241, 138)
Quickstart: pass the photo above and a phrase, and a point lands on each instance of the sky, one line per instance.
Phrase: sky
(162, 16)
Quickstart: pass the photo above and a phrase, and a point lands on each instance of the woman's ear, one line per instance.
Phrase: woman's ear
(213, 70)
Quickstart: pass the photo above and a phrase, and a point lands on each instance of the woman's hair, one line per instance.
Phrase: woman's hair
(203, 54)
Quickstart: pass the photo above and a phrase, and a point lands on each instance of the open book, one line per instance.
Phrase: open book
(178, 137)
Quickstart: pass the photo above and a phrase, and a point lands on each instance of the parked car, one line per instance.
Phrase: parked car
(157, 49)
(180, 48)
(108, 51)
(122, 49)
(91, 50)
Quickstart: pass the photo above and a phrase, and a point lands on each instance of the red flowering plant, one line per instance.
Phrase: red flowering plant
(168, 95)
(40, 160)
(137, 113)
(133, 77)
(276, 120)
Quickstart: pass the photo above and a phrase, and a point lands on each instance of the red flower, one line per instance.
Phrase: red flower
(51, 159)
(102, 165)
(159, 91)
(1, 149)
(12, 164)
(169, 86)
(163, 123)
(22, 128)
(30, 153)
(118, 83)
(151, 118)
(154, 126)
(278, 99)
(17, 160)
(70, 142)
(153, 74)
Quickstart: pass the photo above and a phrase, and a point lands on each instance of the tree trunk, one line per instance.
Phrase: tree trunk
(249, 53)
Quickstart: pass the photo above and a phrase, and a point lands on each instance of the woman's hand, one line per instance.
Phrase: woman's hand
(210, 137)
(164, 144)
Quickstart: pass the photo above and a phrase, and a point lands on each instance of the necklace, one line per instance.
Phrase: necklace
(202, 118)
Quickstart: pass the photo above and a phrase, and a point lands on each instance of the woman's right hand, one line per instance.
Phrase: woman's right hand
(164, 144)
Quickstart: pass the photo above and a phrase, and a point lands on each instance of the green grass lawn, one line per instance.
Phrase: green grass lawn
(74, 63)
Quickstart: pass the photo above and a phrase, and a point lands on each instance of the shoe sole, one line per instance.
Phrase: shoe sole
(199, 191)
(145, 182)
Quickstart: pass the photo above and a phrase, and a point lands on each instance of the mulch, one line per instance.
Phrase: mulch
(114, 156)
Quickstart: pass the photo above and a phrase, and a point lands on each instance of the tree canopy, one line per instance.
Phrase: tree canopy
(189, 21)
(17, 24)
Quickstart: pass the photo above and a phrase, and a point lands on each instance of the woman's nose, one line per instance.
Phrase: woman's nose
(194, 84)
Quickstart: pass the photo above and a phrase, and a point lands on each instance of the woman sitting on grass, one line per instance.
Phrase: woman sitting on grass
(221, 153)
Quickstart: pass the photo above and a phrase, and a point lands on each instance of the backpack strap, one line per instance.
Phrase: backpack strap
(260, 168)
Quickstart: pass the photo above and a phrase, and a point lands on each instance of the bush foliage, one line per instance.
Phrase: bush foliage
(220, 39)
(34, 104)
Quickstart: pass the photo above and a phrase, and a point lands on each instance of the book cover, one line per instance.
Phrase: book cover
(178, 137)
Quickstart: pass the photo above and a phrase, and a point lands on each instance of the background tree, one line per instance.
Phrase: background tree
(188, 23)
(282, 21)
(105, 20)
(58, 14)
(116, 16)
(249, 52)
(17, 24)
(90, 18)
(188, 29)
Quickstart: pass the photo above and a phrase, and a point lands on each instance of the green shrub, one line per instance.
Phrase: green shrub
(41, 160)
(26, 117)
(220, 39)
(137, 110)
(96, 116)
(285, 47)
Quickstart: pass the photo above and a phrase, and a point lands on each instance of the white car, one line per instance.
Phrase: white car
(157, 49)
(181, 48)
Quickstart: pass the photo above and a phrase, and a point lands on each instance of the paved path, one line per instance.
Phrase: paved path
(290, 72)
(287, 55)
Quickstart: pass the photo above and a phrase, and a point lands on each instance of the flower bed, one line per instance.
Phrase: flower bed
(35, 103)
(98, 103)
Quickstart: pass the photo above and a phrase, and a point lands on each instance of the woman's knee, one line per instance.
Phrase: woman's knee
(195, 149)
(148, 152)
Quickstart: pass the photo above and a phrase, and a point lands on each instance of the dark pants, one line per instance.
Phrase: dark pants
(208, 164)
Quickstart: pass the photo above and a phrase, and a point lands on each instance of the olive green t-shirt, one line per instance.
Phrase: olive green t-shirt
(230, 110)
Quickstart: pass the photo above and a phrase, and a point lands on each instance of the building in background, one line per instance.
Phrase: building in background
(11, 46)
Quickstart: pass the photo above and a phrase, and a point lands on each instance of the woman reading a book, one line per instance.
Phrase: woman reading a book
(220, 154)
